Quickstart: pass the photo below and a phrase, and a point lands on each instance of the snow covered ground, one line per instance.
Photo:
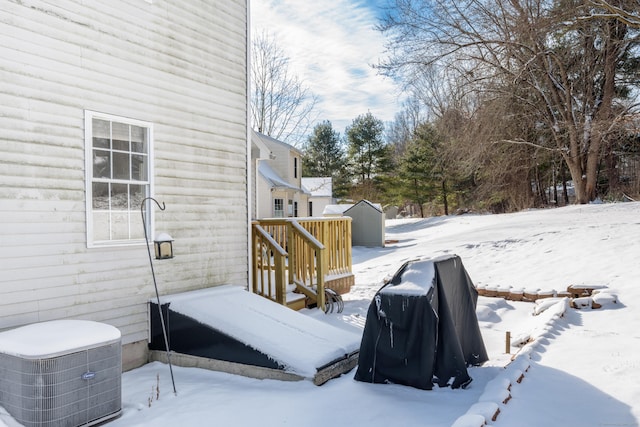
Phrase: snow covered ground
(580, 367)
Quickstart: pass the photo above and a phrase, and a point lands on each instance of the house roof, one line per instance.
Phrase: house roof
(336, 209)
(262, 151)
(273, 179)
(318, 187)
(267, 140)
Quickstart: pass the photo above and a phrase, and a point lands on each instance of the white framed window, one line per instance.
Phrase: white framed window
(118, 176)
(278, 208)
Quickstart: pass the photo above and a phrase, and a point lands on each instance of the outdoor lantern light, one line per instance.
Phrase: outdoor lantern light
(164, 246)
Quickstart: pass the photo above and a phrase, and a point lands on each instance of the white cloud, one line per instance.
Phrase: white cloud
(332, 45)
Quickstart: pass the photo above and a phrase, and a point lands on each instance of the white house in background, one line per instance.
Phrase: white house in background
(277, 179)
(321, 194)
(102, 104)
(336, 210)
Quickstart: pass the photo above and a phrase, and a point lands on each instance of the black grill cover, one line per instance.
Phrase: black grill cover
(425, 335)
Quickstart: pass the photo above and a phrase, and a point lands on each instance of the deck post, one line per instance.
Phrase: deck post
(292, 250)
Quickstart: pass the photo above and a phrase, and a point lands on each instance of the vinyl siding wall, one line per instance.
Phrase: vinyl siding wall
(180, 65)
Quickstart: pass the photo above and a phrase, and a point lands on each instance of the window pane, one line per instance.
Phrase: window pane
(138, 139)
(137, 195)
(278, 208)
(101, 225)
(136, 231)
(121, 166)
(120, 225)
(100, 195)
(120, 136)
(120, 144)
(101, 164)
(119, 197)
(101, 142)
(101, 133)
(138, 167)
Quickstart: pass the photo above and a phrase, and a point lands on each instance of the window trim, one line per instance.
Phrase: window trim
(88, 179)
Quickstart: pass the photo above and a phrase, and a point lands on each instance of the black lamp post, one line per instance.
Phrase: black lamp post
(164, 250)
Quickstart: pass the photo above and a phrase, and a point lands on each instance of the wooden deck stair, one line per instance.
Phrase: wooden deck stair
(299, 262)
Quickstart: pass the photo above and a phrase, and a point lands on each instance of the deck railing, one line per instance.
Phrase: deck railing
(269, 266)
(299, 254)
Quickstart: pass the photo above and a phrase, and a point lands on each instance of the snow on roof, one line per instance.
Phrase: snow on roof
(272, 177)
(301, 343)
(318, 186)
(336, 209)
(56, 337)
(268, 140)
(376, 206)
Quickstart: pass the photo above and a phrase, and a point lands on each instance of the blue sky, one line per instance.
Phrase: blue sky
(376, 6)
(331, 44)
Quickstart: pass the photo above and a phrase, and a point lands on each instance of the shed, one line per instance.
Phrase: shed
(391, 211)
(367, 226)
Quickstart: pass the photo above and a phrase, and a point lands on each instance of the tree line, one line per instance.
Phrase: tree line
(508, 101)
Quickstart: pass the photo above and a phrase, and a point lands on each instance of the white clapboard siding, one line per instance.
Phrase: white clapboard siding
(178, 64)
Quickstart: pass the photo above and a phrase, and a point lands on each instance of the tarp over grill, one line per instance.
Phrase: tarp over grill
(422, 328)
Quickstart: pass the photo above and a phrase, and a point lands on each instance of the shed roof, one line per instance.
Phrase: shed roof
(376, 206)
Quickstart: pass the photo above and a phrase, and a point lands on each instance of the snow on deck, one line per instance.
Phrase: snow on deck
(300, 343)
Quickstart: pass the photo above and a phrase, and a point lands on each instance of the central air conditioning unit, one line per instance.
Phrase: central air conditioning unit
(63, 373)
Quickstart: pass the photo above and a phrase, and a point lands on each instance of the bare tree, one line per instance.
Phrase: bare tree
(628, 12)
(401, 130)
(281, 105)
(564, 60)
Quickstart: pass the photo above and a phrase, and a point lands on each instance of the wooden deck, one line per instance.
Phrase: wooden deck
(298, 262)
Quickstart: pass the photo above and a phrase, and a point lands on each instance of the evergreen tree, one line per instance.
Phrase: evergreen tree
(420, 175)
(323, 154)
(324, 157)
(368, 155)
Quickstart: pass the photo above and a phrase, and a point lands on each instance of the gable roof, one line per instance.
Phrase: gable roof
(376, 206)
(269, 141)
(273, 179)
(262, 151)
